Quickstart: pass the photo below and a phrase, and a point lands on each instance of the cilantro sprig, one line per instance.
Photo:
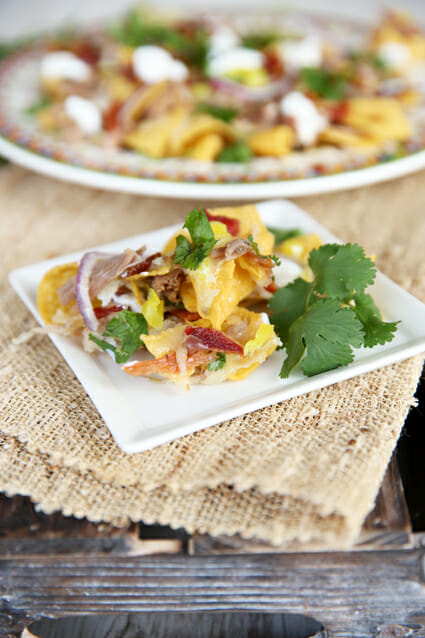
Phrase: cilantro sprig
(326, 84)
(218, 363)
(190, 255)
(236, 152)
(320, 322)
(126, 327)
(224, 113)
(282, 234)
(257, 251)
(137, 30)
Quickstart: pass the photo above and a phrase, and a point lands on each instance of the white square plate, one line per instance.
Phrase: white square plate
(141, 413)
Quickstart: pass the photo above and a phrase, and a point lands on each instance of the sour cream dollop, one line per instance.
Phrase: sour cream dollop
(300, 53)
(307, 119)
(85, 113)
(64, 65)
(395, 55)
(154, 64)
(222, 39)
(235, 59)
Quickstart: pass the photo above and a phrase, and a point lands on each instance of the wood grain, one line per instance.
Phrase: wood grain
(352, 594)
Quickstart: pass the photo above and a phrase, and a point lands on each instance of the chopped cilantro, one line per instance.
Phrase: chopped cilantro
(257, 251)
(326, 84)
(260, 40)
(39, 105)
(218, 363)
(237, 152)
(370, 58)
(225, 113)
(126, 327)
(281, 235)
(136, 31)
(203, 241)
(321, 321)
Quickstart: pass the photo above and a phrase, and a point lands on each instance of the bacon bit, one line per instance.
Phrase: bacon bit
(338, 112)
(110, 117)
(231, 224)
(266, 262)
(273, 64)
(168, 364)
(272, 287)
(101, 311)
(210, 339)
(184, 315)
(143, 266)
(122, 290)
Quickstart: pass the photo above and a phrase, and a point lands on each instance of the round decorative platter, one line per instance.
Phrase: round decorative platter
(302, 172)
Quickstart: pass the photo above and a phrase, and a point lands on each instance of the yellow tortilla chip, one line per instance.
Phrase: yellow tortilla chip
(275, 141)
(207, 148)
(344, 138)
(250, 223)
(152, 137)
(47, 296)
(192, 128)
(381, 118)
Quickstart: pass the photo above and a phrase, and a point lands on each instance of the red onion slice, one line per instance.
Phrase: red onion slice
(250, 94)
(82, 289)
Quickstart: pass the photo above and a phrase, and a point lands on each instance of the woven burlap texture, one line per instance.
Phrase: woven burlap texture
(319, 457)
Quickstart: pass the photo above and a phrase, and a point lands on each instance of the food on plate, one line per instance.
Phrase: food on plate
(211, 90)
(216, 301)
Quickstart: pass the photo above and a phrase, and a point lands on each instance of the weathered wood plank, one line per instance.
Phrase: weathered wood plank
(352, 594)
(213, 624)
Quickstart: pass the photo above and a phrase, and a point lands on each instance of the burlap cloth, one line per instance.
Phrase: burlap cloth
(305, 469)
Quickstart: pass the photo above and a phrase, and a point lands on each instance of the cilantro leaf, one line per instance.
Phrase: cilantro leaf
(237, 152)
(341, 270)
(225, 113)
(257, 251)
(326, 84)
(136, 30)
(325, 332)
(39, 105)
(287, 304)
(218, 363)
(281, 234)
(376, 331)
(126, 327)
(320, 322)
(203, 241)
(260, 40)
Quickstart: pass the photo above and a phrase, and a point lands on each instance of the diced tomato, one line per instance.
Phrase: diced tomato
(273, 64)
(210, 339)
(101, 311)
(231, 223)
(87, 51)
(338, 111)
(110, 117)
(272, 287)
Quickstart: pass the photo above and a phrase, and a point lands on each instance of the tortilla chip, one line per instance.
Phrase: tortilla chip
(275, 141)
(207, 148)
(47, 296)
(152, 137)
(344, 138)
(250, 223)
(381, 118)
(192, 128)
